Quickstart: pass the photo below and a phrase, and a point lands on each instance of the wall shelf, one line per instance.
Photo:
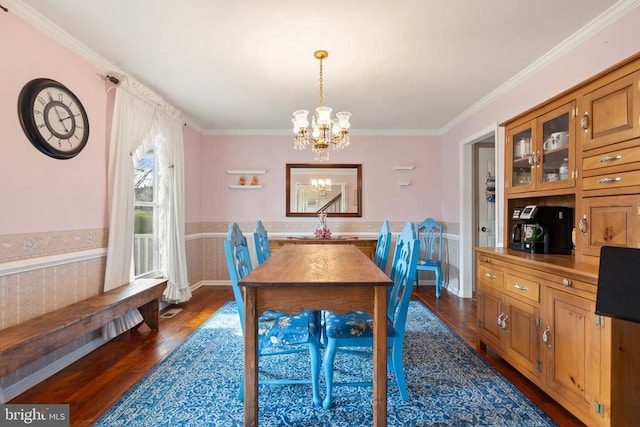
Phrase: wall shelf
(404, 183)
(246, 171)
(245, 187)
(404, 167)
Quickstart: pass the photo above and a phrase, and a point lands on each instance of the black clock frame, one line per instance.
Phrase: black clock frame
(26, 101)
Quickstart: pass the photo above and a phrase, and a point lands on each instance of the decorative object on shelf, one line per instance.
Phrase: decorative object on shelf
(490, 188)
(325, 130)
(322, 232)
(242, 180)
(564, 169)
(254, 180)
(53, 118)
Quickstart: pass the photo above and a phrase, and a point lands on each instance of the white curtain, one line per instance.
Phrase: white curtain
(142, 120)
(174, 258)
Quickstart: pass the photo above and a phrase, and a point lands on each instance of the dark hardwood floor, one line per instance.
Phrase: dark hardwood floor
(94, 383)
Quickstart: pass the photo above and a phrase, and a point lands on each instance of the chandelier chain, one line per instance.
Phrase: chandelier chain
(321, 86)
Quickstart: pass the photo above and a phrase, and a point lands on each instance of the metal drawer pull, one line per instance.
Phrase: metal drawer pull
(567, 282)
(610, 158)
(609, 180)
(490, 276)
(487, 260)
(500, 318)
(520, 287)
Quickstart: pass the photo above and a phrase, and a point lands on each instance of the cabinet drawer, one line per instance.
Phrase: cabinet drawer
(490, 276)
(524, 288)
(611, 181)
(611, 158)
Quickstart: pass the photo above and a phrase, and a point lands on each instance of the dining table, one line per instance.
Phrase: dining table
(339, 278)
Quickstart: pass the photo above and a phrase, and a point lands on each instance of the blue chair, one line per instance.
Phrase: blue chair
(261, 239)
(278, 333)
(430, 258)
(355, 329)
(382, 247)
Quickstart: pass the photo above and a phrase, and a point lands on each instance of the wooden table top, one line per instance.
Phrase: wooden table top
(317, 265)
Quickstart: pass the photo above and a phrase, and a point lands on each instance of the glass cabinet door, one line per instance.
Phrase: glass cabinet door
(521, 159)
(556, 161)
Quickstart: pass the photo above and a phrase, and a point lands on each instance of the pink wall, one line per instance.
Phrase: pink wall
(610, 46)
(382, 197)
(37, 192)
(193, 162)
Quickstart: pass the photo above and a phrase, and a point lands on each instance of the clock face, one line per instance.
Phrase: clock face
(53, 118)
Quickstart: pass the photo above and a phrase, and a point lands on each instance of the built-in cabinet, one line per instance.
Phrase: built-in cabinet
(543, 322)
(580, 150)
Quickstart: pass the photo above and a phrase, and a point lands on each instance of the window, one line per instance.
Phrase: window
(146, 240)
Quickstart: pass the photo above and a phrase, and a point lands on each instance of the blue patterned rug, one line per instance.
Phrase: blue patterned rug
(449, 385)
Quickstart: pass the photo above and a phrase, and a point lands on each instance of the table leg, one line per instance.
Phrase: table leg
(380, 357)
(250, 358)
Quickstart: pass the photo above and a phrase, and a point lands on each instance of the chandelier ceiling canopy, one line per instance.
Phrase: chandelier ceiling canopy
(325, 130)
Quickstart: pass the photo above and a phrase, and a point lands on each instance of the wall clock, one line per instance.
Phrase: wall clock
(53, 118)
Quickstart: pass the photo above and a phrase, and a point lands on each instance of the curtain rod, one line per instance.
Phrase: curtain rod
(157, 105)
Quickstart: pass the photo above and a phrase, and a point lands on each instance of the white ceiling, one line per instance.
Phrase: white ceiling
(399, 66)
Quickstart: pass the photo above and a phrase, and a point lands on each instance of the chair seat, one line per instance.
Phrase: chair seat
(278, 330)
(355, 324)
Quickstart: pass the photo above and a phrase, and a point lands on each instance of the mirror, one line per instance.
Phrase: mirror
(333, 188)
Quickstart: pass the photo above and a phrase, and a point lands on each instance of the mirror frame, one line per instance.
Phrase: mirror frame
(358, 168)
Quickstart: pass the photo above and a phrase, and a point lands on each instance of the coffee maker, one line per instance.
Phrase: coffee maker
(542, 229)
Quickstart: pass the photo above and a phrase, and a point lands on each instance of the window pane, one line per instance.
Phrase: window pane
(145, 244)
(143, 223)
(144, 178)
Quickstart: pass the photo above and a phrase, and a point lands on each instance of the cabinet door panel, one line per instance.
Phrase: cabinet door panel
(522, 333)
(572, 349)
(612, 113)
(489, 310)
(610, 221)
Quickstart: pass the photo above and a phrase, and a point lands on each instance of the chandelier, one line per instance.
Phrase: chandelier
(325, 130)
(321, 185)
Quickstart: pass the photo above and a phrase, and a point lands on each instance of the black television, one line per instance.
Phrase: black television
(618, 293)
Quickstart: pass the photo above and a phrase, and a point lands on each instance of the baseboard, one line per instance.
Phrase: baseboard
(215, 283)
(37, 377)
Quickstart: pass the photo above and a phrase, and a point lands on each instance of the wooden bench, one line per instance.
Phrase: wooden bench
(28, 341)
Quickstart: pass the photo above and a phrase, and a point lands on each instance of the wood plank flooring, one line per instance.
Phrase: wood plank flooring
(94, 383)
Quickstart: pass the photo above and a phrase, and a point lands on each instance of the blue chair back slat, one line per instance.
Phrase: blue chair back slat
(403, 272)
(383, 246)
(261, 239)
(238, 264)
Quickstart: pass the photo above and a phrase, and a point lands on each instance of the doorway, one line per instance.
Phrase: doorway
(478, 157)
